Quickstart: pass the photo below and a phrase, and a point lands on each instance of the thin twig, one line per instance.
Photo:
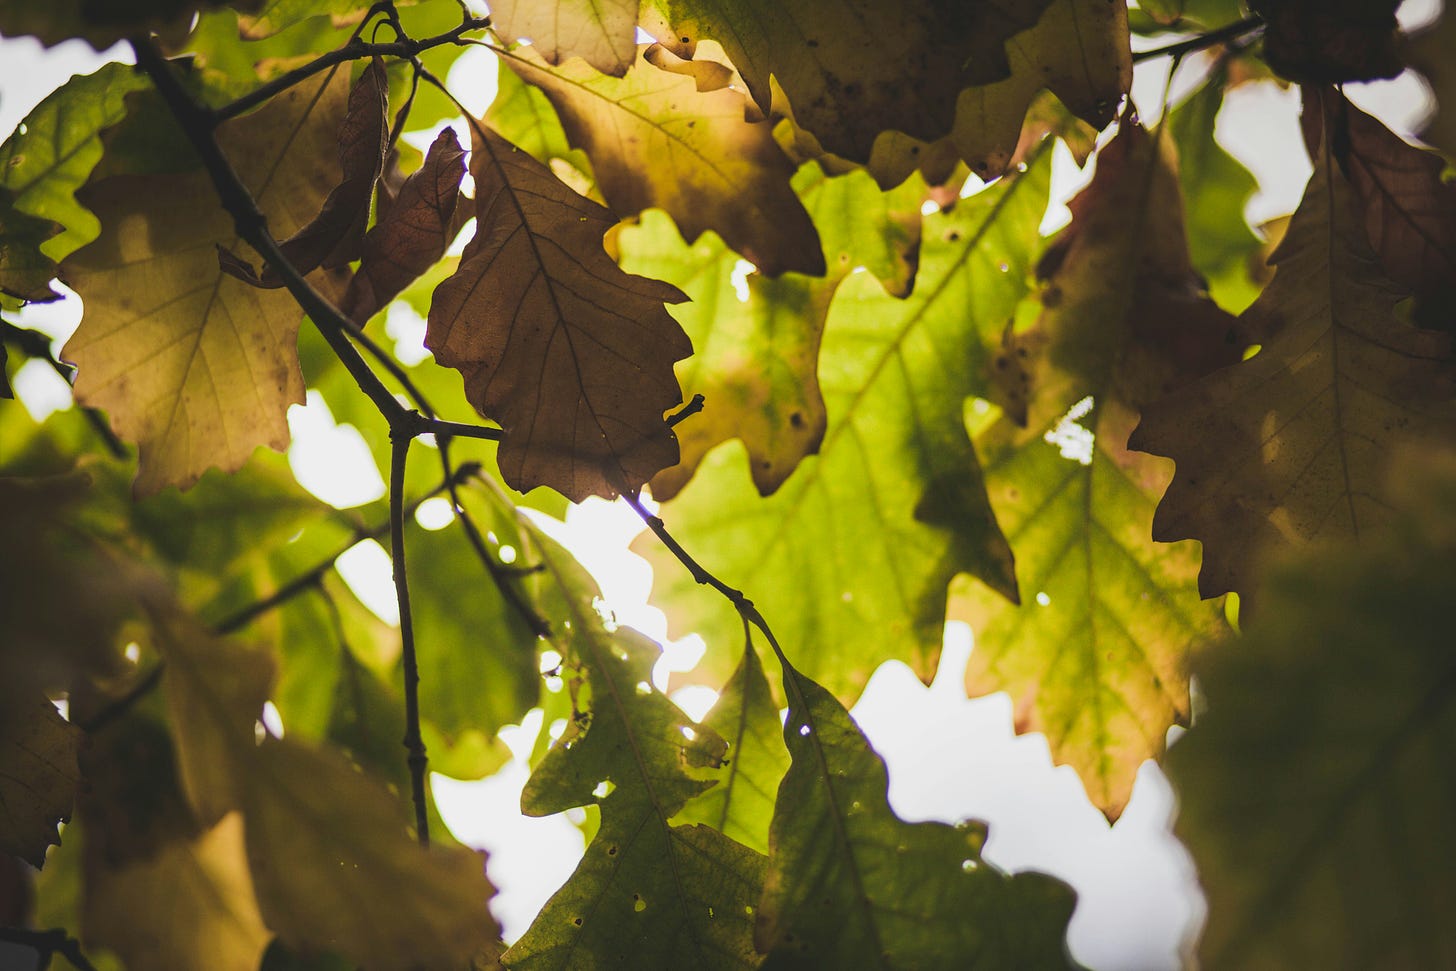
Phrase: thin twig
(355, 50)
(1222, 35)
(414, 744)
(49, 943)
(686, 411)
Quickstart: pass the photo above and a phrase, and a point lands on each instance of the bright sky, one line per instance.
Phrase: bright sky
(949, 758)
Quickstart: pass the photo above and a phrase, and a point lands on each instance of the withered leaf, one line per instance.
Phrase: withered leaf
(333, 237)
(38, 777)
(601, 32)
(572, 356)
(1409, 211)
(1290, 447)
(413, 234)
(854, 68)
(1330, 40)
(656, 139)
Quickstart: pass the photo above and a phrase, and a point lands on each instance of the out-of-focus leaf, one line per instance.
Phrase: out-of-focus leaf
(854, 68)
(333, 237)
(271, 16)
(1215, 189)
(1289, 447)
(1430, 53)
(38, 776)
(646, 893)
(41, 169)
(1316, 41)
(1078, 50)
(413, 235)
(99, 24)
(741, 805)
(1094, 656)
(850, 885)
(336, 869)
(194, 366)
(572, 356)
(852, 556)
(756, 360)
(25, 272)
(1409, 210)
(601, 32)
(279, 958)
(1316, 793)
(656, 140)
(523, 116)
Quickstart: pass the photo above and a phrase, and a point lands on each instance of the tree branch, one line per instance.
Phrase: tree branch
(1222, 35)
(414, 744)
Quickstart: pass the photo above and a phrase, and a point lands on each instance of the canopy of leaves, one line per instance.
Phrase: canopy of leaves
(1329, 847)
(908, 403)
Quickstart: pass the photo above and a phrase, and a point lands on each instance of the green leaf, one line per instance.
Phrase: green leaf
(741, 805)
(38, 777)
(852, 556)
(851, 885)
(1316, 793)
(646, 893)
(272, 16)
(523, 116)
(1094, 655)
(1215, 188)
(852, 70)
(756, 360)
(1289, 447)
(655, 139)
(42, 168)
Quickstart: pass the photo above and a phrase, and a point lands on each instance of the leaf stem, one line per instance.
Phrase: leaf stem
(1223, 34)
(415, 745)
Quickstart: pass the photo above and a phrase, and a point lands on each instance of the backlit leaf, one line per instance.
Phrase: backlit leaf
(851, 557)
(1319, 40)
(38, 777)
(41, 169)
(25, 272)
(741, 804)
(646, 893)
(413, 235)
(656, 140)
(756, 338)
(1094, 656)
(1316, 793)
(194, 366)
(1289, 447)
(601, 32)
(1078, 50)
(854, 68)
(1429, 53)
(572, 356)
(852, 885)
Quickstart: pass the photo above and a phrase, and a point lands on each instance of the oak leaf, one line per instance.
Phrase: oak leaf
(1094, 656)
(38, 776)
(854, 68)
(647, 893)
(851, 885)
(1316, 793)
(655, 139)
(196, 367)
(1315, 41)
(1290, 447)
(572, 356)
(601, 32)
(413, 234)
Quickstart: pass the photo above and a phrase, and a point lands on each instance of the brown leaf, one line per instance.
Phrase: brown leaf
(656, 139)
(572, 356)
(1290, 447)
(38, 777)
(413, 234)
(1330, 40)
(1409, 210)
(1430, 53)
(333, 237)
